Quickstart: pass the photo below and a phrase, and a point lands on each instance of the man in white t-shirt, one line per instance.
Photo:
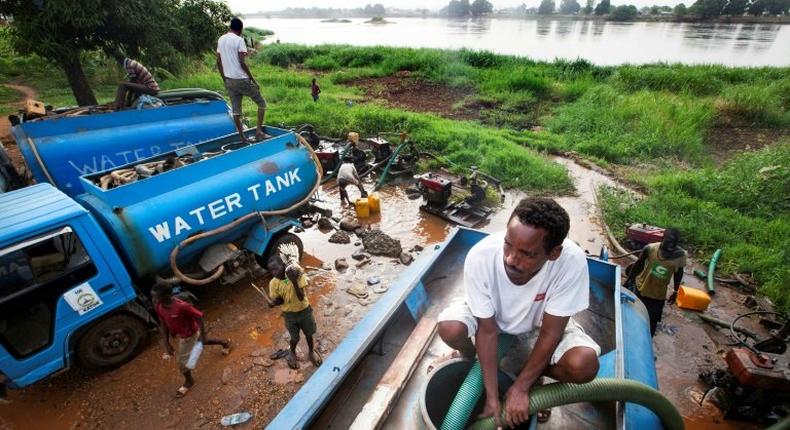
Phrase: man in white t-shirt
(527, 281)
(231, 52)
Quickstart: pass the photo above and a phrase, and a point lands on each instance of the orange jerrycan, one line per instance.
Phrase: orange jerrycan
(362, 207)
(374, 202)
(692, 298)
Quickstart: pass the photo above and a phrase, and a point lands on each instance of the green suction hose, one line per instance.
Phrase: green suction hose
(383, 176)
(472, 388)
(711, 269)
(781, 425)
(598, 390)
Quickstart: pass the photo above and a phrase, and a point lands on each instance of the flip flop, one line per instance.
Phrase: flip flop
(182, 392)
(227, 349)
(544, 415)
(280, 353)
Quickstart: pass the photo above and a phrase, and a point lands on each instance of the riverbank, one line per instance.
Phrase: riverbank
(665, 128)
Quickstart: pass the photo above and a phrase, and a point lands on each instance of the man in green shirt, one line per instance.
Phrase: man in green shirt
(658, 263)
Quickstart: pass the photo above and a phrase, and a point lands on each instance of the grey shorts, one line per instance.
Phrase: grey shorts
(243, 87)
(573, 336)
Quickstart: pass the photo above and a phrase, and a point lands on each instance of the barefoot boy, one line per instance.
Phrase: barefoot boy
(286, 289)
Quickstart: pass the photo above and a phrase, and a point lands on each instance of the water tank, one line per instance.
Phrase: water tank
(148, 218)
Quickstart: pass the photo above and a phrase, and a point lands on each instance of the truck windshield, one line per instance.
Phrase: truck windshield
(32, 279)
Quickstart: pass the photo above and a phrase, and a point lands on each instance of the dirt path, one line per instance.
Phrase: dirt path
(5, 125)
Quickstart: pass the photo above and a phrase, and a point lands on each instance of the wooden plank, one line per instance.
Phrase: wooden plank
(389, 388)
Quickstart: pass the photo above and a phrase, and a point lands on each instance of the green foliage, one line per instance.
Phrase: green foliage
(481, 7)
(458, 8)
(707, 8)
(755, 105)
(735, 7)
(603, 7)
(570, 7)
(159, 32)
(546, 7)
(680, 9)
(621, 127)
(742, 209)
(623, 13)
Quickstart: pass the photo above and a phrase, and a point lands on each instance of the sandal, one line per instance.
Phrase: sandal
(280, 353)
(227, 349)
(182, 391)
(544, 415)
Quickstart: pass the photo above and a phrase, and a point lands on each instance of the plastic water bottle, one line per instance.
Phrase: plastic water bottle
(194, 355)
(233, 419)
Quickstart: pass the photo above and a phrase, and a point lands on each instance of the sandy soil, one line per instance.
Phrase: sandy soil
(5, 125)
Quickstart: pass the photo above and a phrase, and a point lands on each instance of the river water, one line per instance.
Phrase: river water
(601, 42)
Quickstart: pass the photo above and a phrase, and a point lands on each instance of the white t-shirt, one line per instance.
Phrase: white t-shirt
(228, 47)
(561, 288)
(347, 172)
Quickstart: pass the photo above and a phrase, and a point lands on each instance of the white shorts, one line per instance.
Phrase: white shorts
(573, 336)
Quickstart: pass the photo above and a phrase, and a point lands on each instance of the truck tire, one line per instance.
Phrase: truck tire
(281, 238)
(111, 342)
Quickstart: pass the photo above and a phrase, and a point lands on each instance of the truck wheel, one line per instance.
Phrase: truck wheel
(276, 242)
(112, 342)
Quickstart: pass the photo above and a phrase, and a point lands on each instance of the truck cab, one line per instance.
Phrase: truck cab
(63, 290)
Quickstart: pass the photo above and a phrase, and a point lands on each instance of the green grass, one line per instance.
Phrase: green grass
(624, 114)
(742, 208)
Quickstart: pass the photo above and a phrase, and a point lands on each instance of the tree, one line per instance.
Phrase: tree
(158, 31)
(570, 7)
(707, 8)
(481, 7)
(458, 8)
(680, 10)
(588, 7)
(735, 7)
(546, 7)
(603, 7)
(623, 13)
(777, 7)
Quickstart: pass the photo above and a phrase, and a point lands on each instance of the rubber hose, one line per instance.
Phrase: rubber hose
(387, 169)
(711, 269)
(598, 390)
(221, 269)
(471, 389)
(781, 425)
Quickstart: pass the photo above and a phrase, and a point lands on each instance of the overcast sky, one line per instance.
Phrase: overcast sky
(254, 6)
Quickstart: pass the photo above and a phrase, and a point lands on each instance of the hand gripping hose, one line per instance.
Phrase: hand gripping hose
(711, 269)
(471, 390)
(221, 269)
(598, 390)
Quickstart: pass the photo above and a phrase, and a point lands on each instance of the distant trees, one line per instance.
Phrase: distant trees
(588, 7)
(707, 8)
(735, 7)
(570, 7)
(481, 7)
(680, 10)
(623, 13)
(546, 7)
(458, 8)
(374, 10)
(603, 7)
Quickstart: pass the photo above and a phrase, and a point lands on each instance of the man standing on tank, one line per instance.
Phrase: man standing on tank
(231, 54)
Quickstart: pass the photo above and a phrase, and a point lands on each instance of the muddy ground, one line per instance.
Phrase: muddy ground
(140, 395)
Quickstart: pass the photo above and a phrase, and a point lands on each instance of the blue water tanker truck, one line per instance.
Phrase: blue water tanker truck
(75, 271)
(60, 148)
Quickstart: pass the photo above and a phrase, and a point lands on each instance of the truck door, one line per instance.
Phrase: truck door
(50, 285)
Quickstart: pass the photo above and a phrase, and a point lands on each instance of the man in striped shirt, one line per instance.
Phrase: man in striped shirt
(138, 81)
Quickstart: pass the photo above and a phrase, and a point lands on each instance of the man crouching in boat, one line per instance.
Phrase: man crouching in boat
(528, 282)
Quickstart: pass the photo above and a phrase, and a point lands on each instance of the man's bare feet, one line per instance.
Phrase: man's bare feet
(315, 358)
(293, 363)
(259, 136)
